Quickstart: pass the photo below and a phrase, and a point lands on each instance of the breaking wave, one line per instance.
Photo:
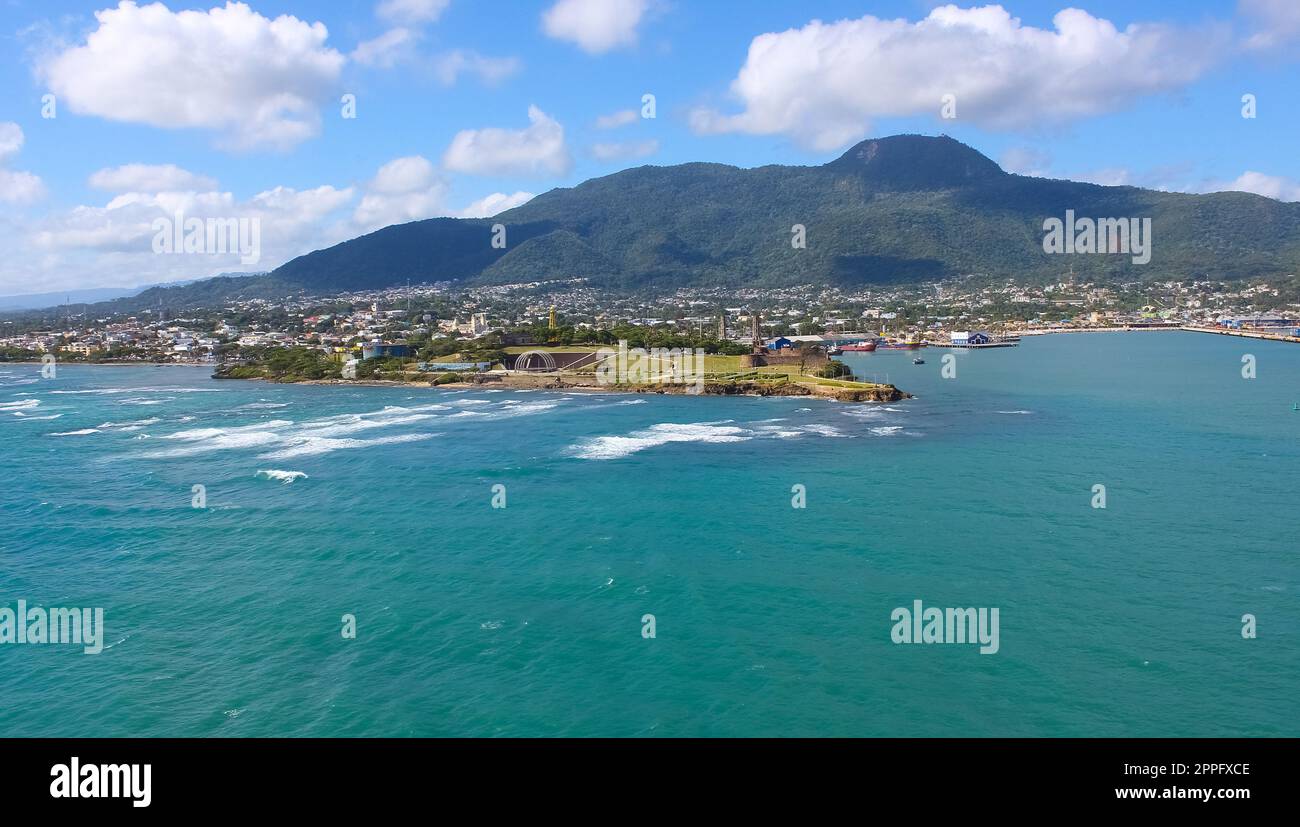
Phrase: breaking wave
(285, 477)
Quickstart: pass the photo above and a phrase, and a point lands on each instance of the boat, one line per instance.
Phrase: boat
(918, 361)
(834, 350)
(900, 344)
(861, 347)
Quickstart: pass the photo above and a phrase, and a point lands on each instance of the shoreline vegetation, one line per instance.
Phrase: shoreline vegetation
(723, 376)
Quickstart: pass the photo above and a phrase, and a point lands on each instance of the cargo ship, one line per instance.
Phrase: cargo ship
(860, 347)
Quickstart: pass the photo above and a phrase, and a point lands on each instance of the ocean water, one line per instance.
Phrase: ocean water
(770, 620)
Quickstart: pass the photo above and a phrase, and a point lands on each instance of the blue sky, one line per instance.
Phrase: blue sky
(158, 110)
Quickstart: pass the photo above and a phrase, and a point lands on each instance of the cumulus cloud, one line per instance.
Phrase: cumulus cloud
(614, 120)
(255, 80)
(125, 224)
(413, 11)
(112, 244)
(1269, 186)
(824, 83)
(404, 189)
(16, 187)
(597, 26)
(490, 70)
(150, 178)
(538, 150)
(497, 202)
(624, 151)
(386, 50)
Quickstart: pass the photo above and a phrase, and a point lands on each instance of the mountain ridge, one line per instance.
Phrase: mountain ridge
(896, 209)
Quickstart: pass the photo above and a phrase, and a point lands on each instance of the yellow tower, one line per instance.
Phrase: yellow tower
(552, 318)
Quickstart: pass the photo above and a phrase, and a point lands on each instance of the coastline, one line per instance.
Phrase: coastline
(1217, 331)
(872, 393)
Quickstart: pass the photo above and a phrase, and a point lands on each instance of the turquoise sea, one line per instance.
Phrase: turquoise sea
(770, 620)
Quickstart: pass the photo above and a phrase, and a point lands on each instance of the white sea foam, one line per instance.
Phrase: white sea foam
(139, 400)
(823, 430)
(315, 446)
(114, 391)
(793, 431)
(888, 430)
(1022, 413)
(285, 477)
(504, 412)
(865, 413)
(235, 440)
(27, 418)
(199, 434)
(615, 447)
(357, 423)
(131, 426)
(21, 404)
(82, 432)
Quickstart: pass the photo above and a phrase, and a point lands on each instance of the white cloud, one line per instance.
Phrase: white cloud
(16, 187)
(1277, 22)
(1108, 177)
(386, 50)
(824, 83)
(11, 140)
(1026, 161)
(413, 11)
(497, 202)
(614, 120)
(404, 189)
(20, 187)
(624, 151)
(1269, 186)
(255, 80)
(112, 244)
(288, 218)
(150, 178)
(597, 26)
(537, 150)
(490, 70)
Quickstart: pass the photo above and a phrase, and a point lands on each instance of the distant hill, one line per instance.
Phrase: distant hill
(901, 209)
(36, 301)
(74, 300)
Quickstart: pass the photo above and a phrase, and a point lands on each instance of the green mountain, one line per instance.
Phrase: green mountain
(906, 208)
(899, 209)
